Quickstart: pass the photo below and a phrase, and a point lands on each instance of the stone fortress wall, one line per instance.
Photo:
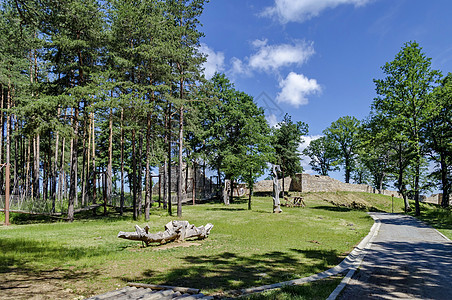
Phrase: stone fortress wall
(206, 187)
(435, 199)
(317, 183)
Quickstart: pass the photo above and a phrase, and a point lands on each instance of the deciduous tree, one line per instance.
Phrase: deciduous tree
(345, 133)
(323, 154)
(287, 136)
(403, 95)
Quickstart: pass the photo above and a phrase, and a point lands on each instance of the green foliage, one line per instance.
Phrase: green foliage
(287, 137)
(235, 133)
(376, 151)
(323, 155)
(437, 135)
(404, 99)
(345, 134)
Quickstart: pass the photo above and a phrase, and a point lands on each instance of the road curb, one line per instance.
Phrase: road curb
(445, 237)
(366, 243)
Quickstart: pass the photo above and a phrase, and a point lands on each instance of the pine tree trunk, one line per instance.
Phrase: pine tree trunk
(165, 168)
(62, 180)
(54, 171)
(8, 151)
(180, 171)
(185, 187)
(73, 176)
(88, 164)
(170, 212)
(165, 182)
(121, 209)
(148, 179)
(140, 174)
(27, 168)
(8, 126)
(134, 178)
(110, 158)
(45, 176)
(2, 135)
(16, 156)
(83, 173)
(84, 178)
(93, 139)
(104, 189)
(37, 167)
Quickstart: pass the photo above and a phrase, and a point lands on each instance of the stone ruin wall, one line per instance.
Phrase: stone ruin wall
(317, 183)
(435, 199)
(301, 183)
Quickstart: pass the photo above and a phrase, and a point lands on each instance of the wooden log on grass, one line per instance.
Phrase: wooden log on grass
(174, 230)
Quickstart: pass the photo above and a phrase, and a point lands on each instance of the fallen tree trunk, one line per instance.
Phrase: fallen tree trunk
(175, 230)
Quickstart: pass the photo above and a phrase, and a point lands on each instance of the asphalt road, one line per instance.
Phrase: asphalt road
(407, 260)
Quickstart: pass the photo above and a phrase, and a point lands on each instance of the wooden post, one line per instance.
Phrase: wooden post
(7, 175)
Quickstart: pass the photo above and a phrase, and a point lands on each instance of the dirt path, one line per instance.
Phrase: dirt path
(407, 260)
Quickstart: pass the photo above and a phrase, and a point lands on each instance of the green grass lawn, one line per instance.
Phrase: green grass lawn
(245, 248)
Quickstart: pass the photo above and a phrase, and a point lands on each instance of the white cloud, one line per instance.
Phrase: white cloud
(272, 120)
(259, 43)
(238, 67)
(214, 63)
(295, 89)
(273, 57)
(270, 58)
(307, 139)
(301, 10)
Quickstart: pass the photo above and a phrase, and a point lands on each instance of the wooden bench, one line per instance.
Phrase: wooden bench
(294, 201)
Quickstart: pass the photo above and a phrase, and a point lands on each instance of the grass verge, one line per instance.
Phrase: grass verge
(317, 290)
(438, 217)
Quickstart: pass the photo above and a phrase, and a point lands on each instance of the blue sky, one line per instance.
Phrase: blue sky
(316, 59)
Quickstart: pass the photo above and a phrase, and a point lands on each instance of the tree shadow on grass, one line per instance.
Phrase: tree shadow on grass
(333, 208)
(21, 219)
(263, 211)
(226, 209)
(438, 217)
(29, 268)
(348, 209)
(25, 254)
(229, 271)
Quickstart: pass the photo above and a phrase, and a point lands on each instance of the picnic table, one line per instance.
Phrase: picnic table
(294, 201)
